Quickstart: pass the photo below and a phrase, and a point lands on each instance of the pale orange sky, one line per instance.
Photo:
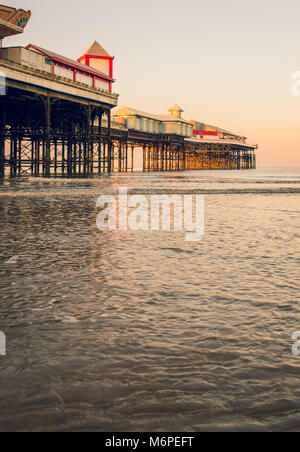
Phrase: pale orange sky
(227, 63)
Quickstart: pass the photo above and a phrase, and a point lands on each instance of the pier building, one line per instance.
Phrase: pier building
(98, 58)
(72, 70)
(145, 122)
(206, 131)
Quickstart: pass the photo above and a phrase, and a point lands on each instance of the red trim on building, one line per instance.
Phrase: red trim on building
(205, 132)
(67, 64)
(95, 56)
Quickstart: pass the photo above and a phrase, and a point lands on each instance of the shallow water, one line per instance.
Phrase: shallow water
(132, 331)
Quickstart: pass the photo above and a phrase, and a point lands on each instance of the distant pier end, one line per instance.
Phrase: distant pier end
(171, 143)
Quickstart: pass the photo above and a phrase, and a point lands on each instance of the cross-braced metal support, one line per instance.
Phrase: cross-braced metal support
(45, 135)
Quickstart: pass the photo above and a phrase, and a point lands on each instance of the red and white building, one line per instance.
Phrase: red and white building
(94, 69)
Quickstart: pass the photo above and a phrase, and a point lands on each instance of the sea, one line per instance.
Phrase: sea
(128, 331)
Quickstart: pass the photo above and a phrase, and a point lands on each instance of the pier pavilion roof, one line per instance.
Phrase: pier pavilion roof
(176, 111)
(68, 62)
(127, 111)
(97, 50)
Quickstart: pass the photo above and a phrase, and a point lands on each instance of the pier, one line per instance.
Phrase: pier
(58, 117)
(63, 132)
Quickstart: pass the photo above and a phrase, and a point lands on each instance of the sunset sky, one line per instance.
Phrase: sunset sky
(227, 63)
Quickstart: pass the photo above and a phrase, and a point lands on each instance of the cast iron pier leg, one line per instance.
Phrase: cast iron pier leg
(2, 136)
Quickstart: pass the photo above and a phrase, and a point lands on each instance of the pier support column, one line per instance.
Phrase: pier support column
(120, 157)
(238, 159)
(184, 159)
(144, 158)
(110, 154)
(132, 159)
(162, 157)
(126, 156)
(70, 151)
(90, 147)
(100, 163)
(48, 136)
(2, 136)
(13, 154)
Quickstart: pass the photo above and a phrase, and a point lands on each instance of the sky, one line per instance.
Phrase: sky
(225, 62)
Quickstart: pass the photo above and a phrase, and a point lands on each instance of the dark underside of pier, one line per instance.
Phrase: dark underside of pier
(42, 133)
